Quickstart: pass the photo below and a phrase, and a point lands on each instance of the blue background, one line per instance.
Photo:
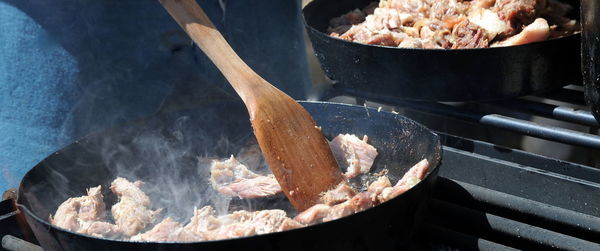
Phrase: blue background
(72, 67)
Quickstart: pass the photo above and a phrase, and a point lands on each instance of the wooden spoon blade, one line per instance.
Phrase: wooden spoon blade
(296, 151)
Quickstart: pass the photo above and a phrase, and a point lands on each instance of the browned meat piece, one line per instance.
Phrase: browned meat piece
(385, 39)
(232, 230)
(412, 177)
(469, 35)
(359, 33)
(417, 7)
(261, 186)
(378, 185)
(230, 177)
(535, 32)
(516, 13)
(162, 231)
(384, 18)
(351, 18)
(489, 21)
(359, 202)
(357, 154)
(418, 171)
(482, 4)
(268, 221)
(84, 208)
(102, 229)
(242, 223)
(336, 31)
(131, 213)
(448, 9)
(289, 224)
(229, 171)
(313, 214)
(340, 193)
(204, 220)
(411, 43)
(324, 212)
(86, 215)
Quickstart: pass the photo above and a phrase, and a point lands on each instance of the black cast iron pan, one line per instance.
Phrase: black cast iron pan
(218, 130)
(371, 71)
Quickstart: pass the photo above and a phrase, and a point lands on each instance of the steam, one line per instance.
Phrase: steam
(174, 164)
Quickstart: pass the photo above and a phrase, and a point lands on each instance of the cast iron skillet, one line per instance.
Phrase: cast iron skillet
(371, 71)
(401, 142)
(590, 50)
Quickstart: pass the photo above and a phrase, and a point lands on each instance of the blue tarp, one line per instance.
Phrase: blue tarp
(72, 67)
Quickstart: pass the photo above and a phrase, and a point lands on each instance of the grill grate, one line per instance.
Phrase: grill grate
(491, 197)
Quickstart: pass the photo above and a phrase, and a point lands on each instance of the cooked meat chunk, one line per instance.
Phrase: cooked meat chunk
(261, 186)
(85, 214)
(230, 177)
(516, 13)
(418, 171)
(204, 220)
(535, 32)
(355, 16)
(84, 208)
(414, 175)
(342, 192)
(323, 212)
(268, 221)
(378, 185)
(241, 223)
(160, 232)
(232, 230)
(289, 224)
(448, 24)
(358, 203)
(357, 154)
(102, 229)
(489, 21)
(469, 35)
(229, 171)
(132, 212)
(313, 214)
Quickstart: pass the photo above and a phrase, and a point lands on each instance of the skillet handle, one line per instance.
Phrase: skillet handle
(590, 50)
(12, 243)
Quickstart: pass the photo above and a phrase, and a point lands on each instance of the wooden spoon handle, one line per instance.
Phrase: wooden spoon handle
(190, 16)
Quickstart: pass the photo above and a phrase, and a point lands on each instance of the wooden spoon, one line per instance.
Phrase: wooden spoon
(295, 149)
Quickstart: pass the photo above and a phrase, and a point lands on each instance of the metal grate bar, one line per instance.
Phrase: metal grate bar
(550, 111)
(547, 216)
(516, 125)
(542, 131)
(503, 230)
(444, 236)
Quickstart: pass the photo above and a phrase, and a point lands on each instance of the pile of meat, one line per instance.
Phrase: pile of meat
(135, 220)
(454, 24)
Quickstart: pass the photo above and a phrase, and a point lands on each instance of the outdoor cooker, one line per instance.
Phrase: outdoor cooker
(324, 235)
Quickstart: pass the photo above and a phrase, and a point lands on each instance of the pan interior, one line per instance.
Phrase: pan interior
(171, 153)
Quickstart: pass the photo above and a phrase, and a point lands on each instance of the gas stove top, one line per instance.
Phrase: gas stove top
(506, 180)
(490, 196)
